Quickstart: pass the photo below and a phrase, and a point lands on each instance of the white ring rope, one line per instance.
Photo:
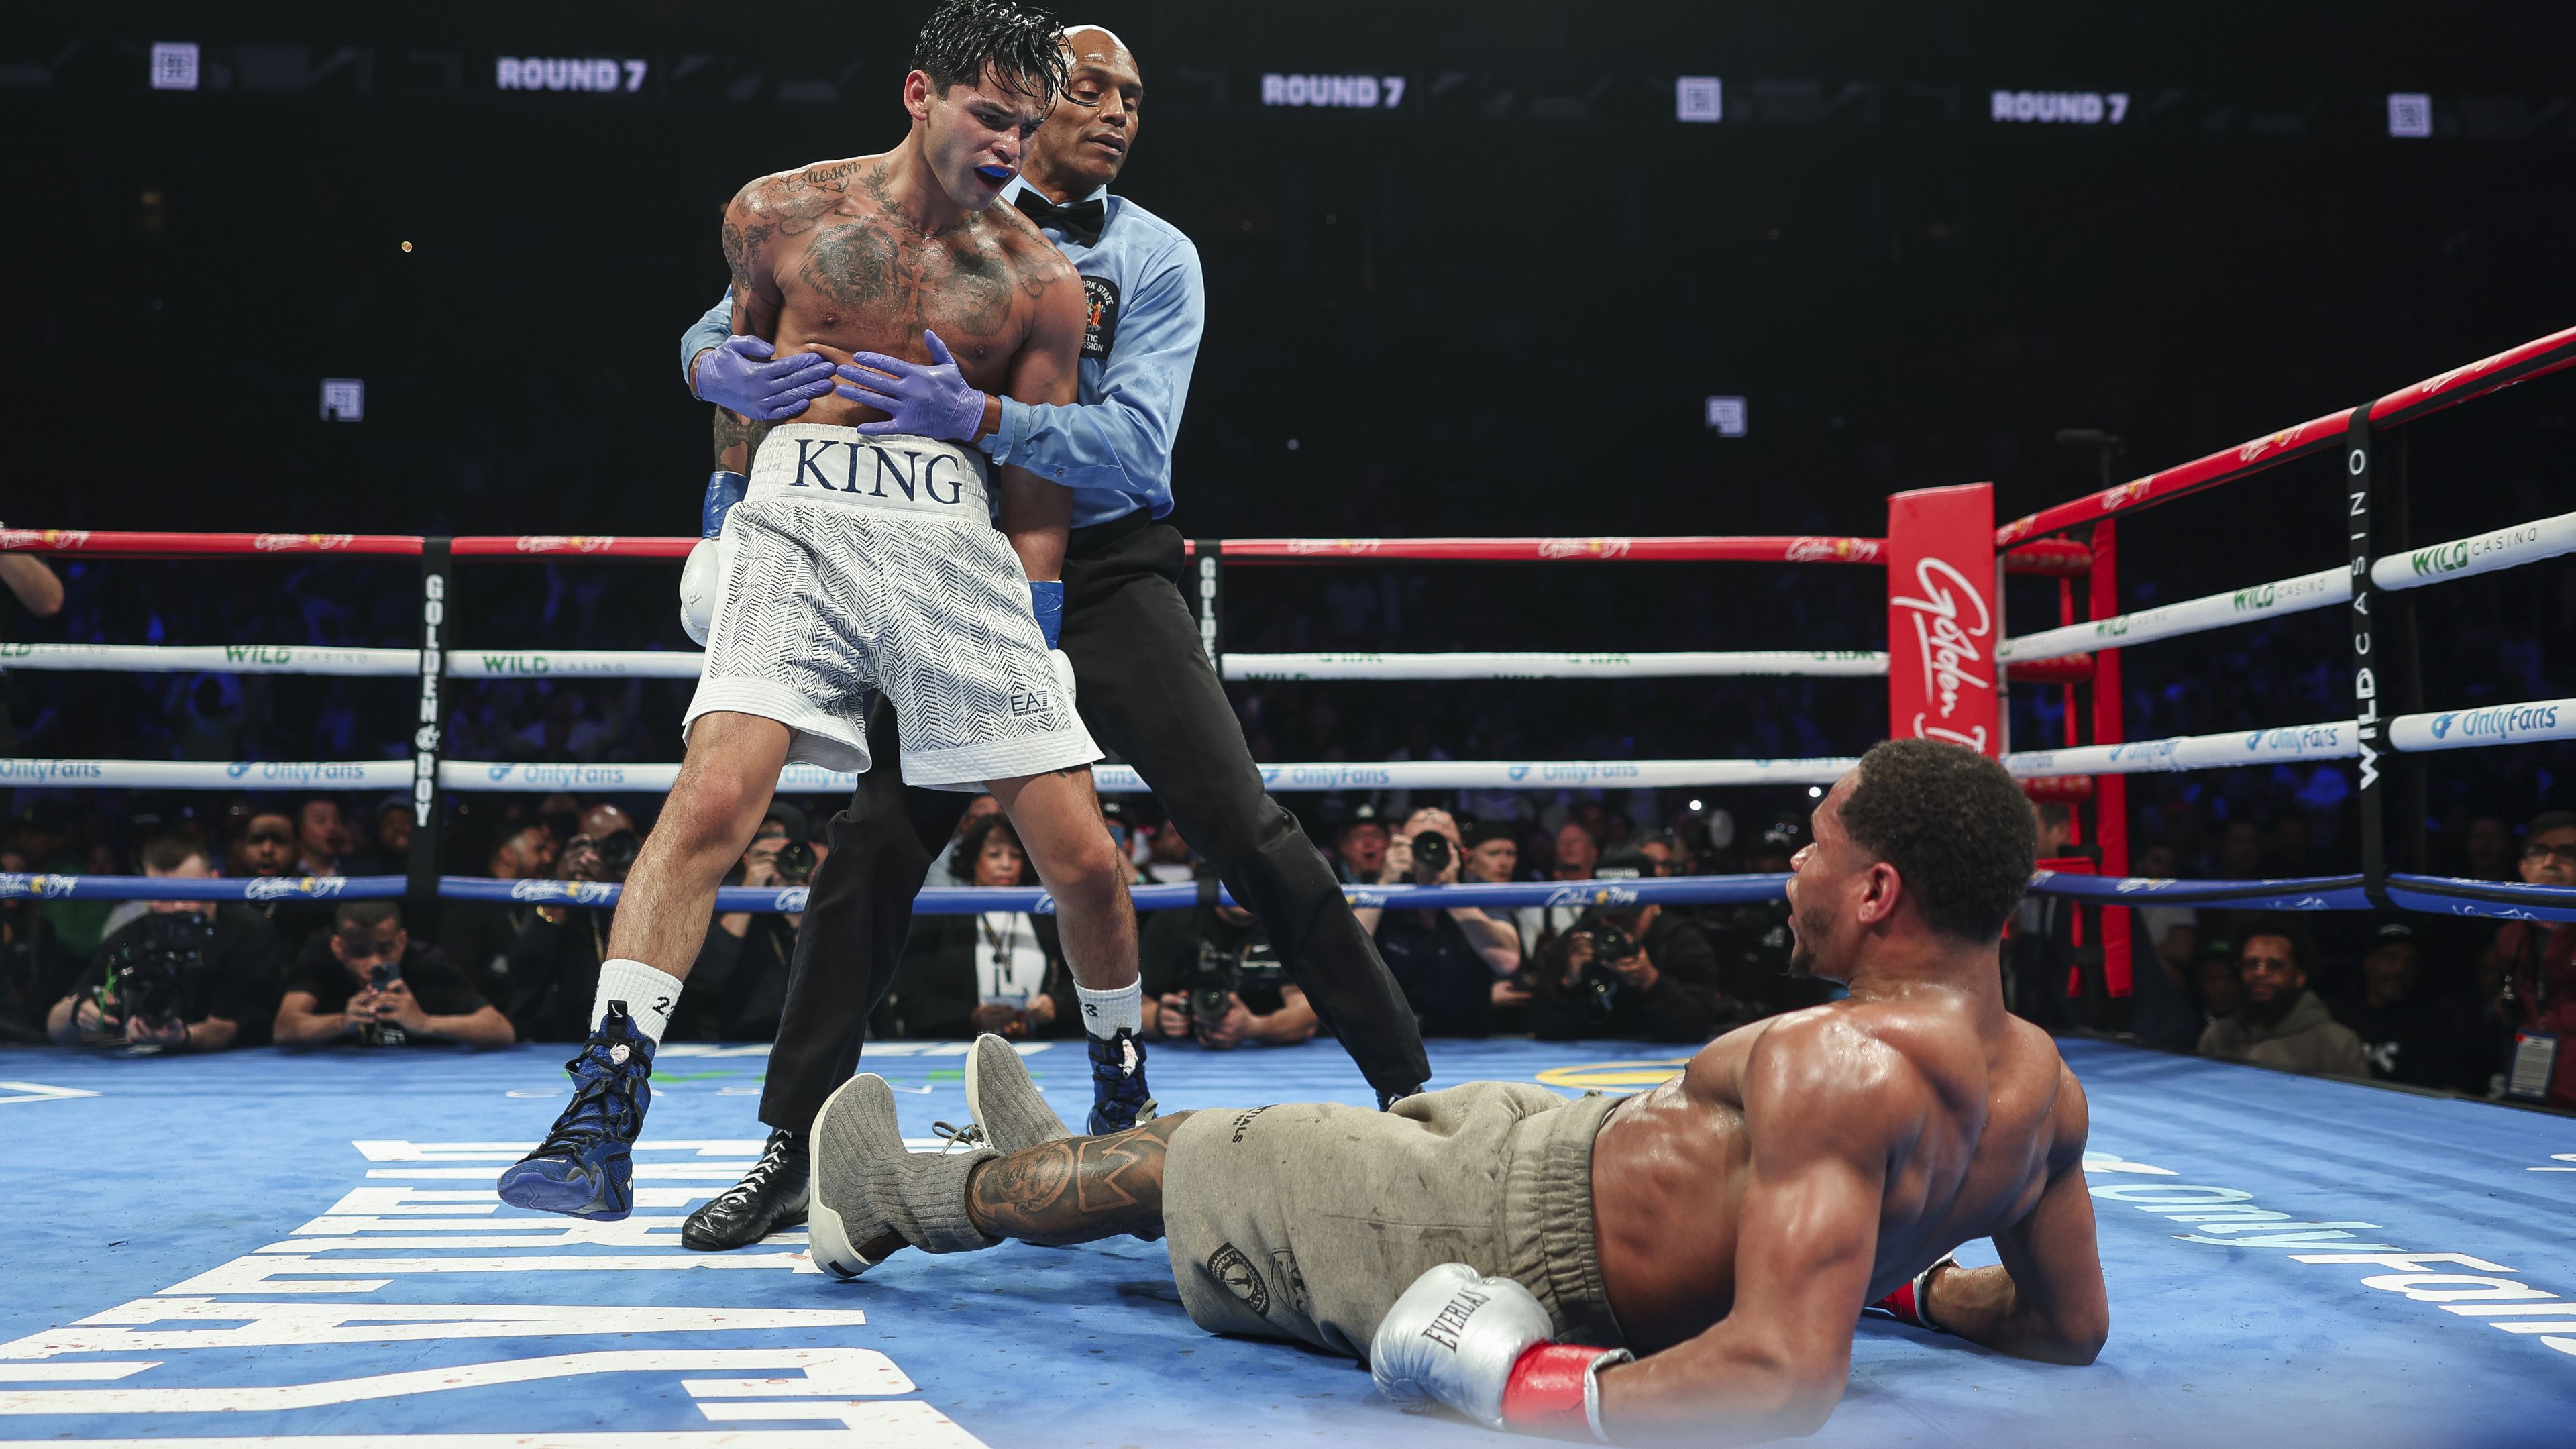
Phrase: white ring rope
(2502, 724)
(213, 658)
(1749, 664)
(2476, 729)
(2460, 558)
(2322, 589)
(2484, 553)
(2332, 740)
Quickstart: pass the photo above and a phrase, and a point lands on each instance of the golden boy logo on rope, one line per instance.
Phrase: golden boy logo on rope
(1809, 549)
(1585, 547)
(44, 538)
(301, 542)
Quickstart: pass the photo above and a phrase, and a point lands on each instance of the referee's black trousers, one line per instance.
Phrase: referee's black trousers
(1147, 693)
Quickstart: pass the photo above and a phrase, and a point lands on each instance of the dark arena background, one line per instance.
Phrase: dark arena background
(1572, 377)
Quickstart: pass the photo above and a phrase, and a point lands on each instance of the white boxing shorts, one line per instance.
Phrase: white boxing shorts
(856, 565)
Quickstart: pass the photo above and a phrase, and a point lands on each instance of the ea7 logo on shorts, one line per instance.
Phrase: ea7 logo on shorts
(1229, 1267)
(1036, 701)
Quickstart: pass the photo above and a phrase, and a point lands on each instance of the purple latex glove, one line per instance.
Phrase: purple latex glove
(744, 374)
(932, 401)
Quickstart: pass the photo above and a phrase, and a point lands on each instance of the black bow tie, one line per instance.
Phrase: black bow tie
(1079, 222)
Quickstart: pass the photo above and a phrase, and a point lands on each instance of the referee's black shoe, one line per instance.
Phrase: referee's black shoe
(770, 1196)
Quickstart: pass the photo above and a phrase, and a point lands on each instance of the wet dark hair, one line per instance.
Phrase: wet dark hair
(1955, 826)
(970, 848)
(1020, 44)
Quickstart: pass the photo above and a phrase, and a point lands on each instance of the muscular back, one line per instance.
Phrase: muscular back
(825, 259)
(1956, 1115)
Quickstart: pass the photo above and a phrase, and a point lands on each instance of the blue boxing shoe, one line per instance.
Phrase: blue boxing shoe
(1118, 1096)
(584, 1167)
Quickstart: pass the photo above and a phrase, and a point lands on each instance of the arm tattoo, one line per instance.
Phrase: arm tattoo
(732, 438)
(1077, 1190)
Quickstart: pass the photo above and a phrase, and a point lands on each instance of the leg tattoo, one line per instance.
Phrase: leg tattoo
(1078, 1190)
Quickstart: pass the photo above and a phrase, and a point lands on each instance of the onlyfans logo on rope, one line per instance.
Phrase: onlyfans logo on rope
(1947, 634)
(2298, 740)
(2500, 724)
(38, 772)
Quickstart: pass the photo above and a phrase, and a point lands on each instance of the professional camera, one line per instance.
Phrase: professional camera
(147, 975)
(617, 852)
(795, 862)
(1430, 854)
(1221, 973)
(1597, 989)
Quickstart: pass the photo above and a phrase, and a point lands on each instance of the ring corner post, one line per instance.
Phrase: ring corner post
(2110, 792)
(1944, 617)
(427, 802)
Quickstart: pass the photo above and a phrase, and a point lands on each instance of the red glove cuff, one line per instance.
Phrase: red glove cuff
(1906, 1304)
(1553, 1391)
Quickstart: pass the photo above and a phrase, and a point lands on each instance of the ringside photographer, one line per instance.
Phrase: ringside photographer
(1635, 972)
(367, 982)
(1214, 976)
(188, 976)
(1455, 963)
(742, 967)
(554, 960)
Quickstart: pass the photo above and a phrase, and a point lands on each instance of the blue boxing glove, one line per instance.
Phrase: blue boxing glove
(699, 576)
(1046, 604)
(724, 490)
(746, 375)
(1046, 601)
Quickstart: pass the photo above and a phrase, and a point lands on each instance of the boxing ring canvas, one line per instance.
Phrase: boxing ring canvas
(264, 1248)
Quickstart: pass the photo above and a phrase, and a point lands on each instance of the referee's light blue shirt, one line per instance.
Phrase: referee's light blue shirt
(1148, 308)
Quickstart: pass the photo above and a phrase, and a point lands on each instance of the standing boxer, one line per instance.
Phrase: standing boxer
(865, 565)
(1145, 688)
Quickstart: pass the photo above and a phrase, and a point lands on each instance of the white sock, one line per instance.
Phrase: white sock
(1106, 1013)
(649, 996)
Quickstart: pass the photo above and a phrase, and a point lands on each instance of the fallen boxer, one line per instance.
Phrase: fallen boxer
(1683, 1264)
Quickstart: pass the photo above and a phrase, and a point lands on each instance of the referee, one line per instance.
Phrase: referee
(1143, 686)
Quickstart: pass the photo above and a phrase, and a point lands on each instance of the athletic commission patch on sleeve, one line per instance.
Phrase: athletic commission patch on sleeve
(1100, 329)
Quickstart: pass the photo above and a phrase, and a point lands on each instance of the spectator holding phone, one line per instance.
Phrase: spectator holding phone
(367, 982)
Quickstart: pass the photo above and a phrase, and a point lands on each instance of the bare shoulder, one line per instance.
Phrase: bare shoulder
(1833, 1070)
(803, 192)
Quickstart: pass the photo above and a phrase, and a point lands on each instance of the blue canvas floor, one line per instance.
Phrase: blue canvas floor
(265, 1248)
